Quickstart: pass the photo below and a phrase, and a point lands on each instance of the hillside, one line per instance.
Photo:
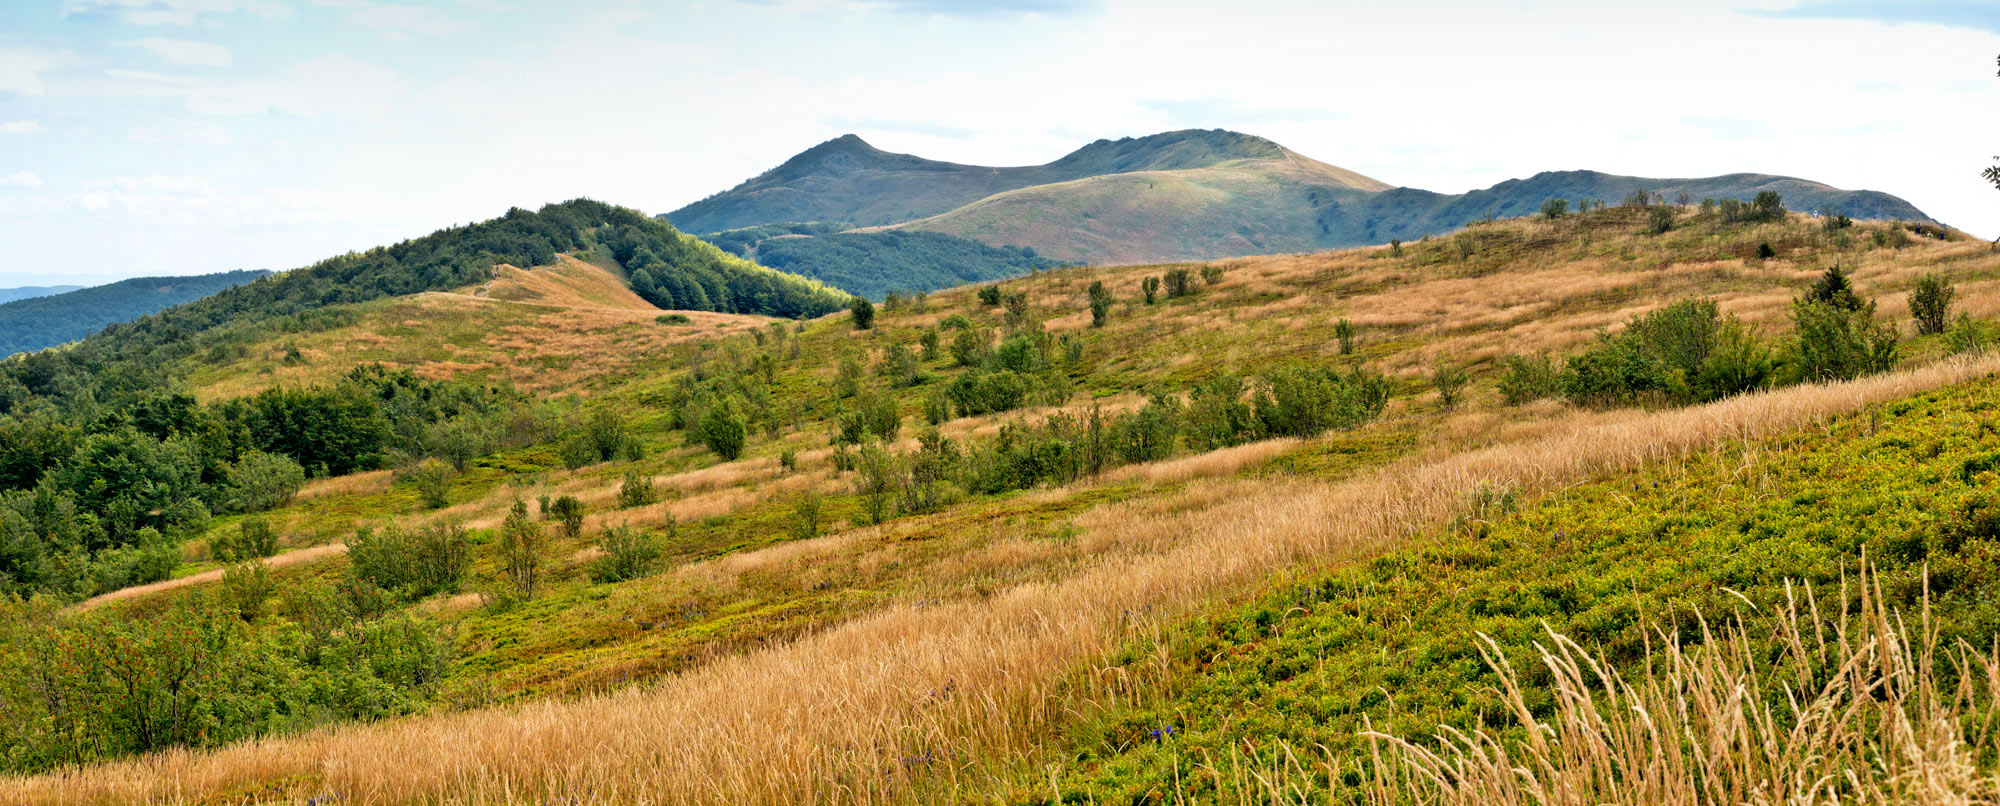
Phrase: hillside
(988, 550)
(46, 320)
(1187, 195)
(26, 292)
(846, 179)
(661, 265)
(873, 264)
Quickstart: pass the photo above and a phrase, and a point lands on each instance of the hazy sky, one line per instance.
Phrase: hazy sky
(181, 136)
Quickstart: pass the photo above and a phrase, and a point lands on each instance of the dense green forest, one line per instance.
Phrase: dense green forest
(873, 264)
(46, 321)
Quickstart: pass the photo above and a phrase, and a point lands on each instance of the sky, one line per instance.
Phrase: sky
(159, 137)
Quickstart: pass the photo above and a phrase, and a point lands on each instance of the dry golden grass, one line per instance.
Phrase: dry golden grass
(1222, 462)
(370, 482)
(569, 283)
(842, 715)
(1864, 720)
(288, 558)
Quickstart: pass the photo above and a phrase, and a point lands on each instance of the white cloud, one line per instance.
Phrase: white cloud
(184, 52)
(183, 13)
(391, 19)
(21, 179)
(194, 134)
(22, 127)
(21, 68)
(145, 76)
(333, 85)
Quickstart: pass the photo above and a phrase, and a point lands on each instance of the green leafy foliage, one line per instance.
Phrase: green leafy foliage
(77, 688)
(1683, 353)
(628, 554)
(411, 563)
(1930, 303)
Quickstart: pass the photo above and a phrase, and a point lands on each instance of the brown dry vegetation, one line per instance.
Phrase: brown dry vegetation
(832, 716)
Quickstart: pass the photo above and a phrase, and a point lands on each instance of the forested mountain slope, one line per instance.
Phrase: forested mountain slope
(48, 320)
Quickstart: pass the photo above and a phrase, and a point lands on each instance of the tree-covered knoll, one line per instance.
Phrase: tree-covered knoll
(449, 258)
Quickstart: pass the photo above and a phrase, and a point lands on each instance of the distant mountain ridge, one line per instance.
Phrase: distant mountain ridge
(846, 179)
(1175, 196)
(32, 291)
(48, 320)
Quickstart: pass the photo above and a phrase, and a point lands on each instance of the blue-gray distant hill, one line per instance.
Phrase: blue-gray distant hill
(1186, 195)
(873, 264)
(36, 322)
(32, 291)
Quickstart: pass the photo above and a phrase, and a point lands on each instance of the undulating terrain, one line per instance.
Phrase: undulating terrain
(1184, 195)
(1341, 526)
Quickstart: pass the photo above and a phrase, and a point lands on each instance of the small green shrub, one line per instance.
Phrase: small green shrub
(1179, 282)
(969, 348)
(673, 319)
(568, 512)
(1450, 380)
(411, 563)
(989, 295)
(636, 491)
(245, 588)
(862, 313)
(724, 432)
(1968, 336)
(253, 538)
(1930, 303)
(1529, 378)
(805, 516)
(433, 479)
(1830, 343)
(1555, 208)
(1150, 287)
(1344, 332)
(1659, 220)
(628, 554)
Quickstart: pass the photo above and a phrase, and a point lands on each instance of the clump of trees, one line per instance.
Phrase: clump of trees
(90, 502)
(1688, 352)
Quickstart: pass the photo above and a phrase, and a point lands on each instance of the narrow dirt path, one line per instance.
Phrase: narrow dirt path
(288, 558)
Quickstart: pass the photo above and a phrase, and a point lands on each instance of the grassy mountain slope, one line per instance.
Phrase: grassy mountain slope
(27, 292)
(953, 651)
(1188, 195)
(46, 320)
(1246, 207)
(845, 179)
(1272, 206)
(570, 327)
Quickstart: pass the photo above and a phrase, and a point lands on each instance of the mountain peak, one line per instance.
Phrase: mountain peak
(1169, 151)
